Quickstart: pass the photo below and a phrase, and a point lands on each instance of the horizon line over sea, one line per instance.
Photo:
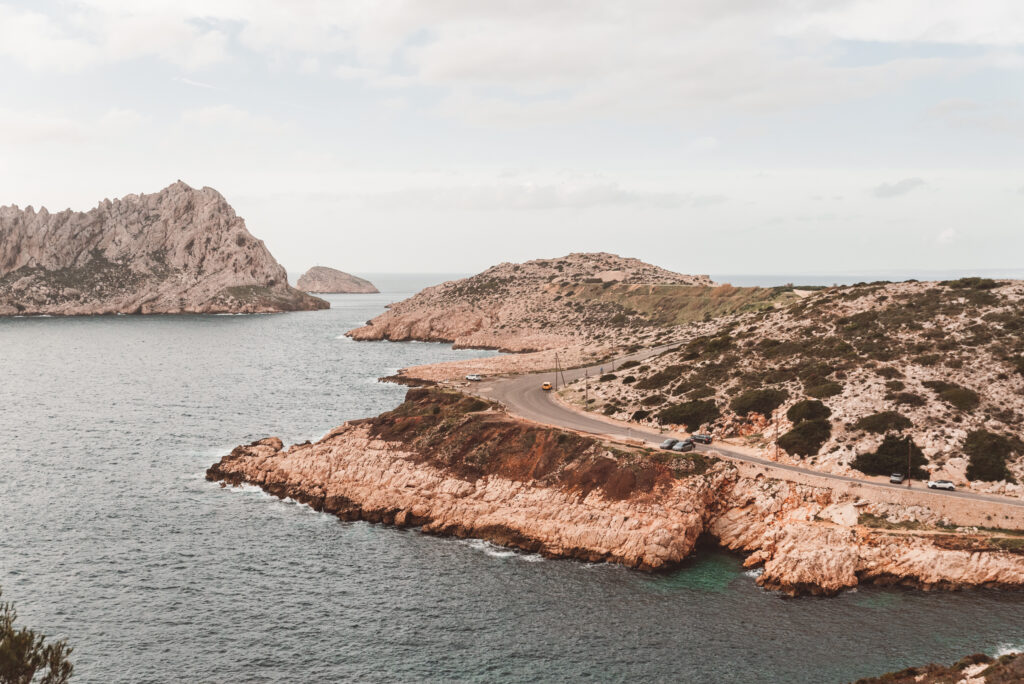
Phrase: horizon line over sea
(403, 282)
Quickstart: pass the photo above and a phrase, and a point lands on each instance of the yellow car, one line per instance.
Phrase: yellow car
(546, 386)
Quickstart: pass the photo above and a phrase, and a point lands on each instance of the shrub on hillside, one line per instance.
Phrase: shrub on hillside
(988, 452)
(960, 397)
(807, 409)
(691, 414)
(608, 376)
(640, 415)
(661, 378)
(628, 364)
(883, 422)
(628, 379)
(653, 400)
(823, 390)
(972, 283)
(700, 392)
(891, 457)
(762, 401)
(806, 438)
(908, 399)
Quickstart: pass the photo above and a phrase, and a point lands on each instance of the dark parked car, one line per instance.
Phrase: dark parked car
(685, 445)
(897, 478)
(703, 439)
(669, 443)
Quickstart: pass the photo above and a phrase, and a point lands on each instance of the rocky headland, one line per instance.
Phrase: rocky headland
(456, 465)
(537, 305)
(324, 280)
(180, 250)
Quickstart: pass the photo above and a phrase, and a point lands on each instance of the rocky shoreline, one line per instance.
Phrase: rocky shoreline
(452, 464)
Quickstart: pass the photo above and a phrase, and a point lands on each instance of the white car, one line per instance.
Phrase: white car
(941, 484)
(474, 377)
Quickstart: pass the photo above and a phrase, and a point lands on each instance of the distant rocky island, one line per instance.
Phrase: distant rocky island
(180, 250)
(324, 280)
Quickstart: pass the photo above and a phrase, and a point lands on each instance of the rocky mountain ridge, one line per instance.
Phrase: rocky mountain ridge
(179, 250)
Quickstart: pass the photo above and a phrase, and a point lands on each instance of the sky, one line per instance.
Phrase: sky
(706, 136)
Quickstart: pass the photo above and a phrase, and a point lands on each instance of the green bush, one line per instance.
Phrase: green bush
(909, 399)
(988, 452)
(691, 414)
(883, 422)
(807, 409)
(628, 364)
(972, 283)
(628, 379)
(24, 653)
(888, 372)
(608, 376)
(763, 401)
(640, 415)
(661, 378)
(823, 390)
(891, 457)
(653, 400)
(700, 392)
(960, 397)
(806, 438)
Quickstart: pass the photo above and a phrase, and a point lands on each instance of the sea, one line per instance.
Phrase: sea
(111, 538)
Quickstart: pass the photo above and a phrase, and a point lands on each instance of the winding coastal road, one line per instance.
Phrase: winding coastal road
(522, 396)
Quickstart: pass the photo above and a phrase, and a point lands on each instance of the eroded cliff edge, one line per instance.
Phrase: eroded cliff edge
(453, 464)
(180, 250)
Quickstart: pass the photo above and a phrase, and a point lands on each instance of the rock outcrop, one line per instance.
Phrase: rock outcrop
(180, 250)
(324, 280)
(536, 305)
(453, 464)
(980, 668)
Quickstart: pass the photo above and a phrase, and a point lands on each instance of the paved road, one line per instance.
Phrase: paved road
(523, 396)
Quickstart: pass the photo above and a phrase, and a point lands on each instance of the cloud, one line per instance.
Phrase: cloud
(889, 190)
(194, 84)
(946, 237)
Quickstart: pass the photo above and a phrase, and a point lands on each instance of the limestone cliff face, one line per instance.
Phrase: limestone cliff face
(180, 250)
(456, 465)
(520, 307)
(324, 280)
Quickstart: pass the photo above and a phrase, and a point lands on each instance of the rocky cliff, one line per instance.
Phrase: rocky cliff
(453, 464)
(324, 280)
(979, 668)
(536, 305)
(180, 250)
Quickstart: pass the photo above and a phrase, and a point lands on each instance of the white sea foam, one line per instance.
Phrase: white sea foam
(754, 572)
(495, 551)
(1008, 648)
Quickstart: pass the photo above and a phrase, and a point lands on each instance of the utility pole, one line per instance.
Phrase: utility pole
(586, 387)
(775, 419)
(910, 442)
(556, 371)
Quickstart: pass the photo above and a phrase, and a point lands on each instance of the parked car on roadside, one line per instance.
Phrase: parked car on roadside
(473, 377)
(701, 439)
(897, 478)
(941, 484)
(684, 445)
(668, 443)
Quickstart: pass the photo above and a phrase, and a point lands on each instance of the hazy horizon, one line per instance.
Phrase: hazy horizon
(835, 137)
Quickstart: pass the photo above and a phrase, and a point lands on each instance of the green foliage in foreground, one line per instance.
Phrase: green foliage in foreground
(691, 414)
(806, 438)
(25, 654)
(891, 457)
(988, 452)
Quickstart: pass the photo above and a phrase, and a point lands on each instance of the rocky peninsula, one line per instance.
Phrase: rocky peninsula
(453, 464)
(324, 280)
(179, 250)
(973, 669)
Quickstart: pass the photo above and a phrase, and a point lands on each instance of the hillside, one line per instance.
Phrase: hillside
(580, 299)
(180, 250)
(856, 377)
